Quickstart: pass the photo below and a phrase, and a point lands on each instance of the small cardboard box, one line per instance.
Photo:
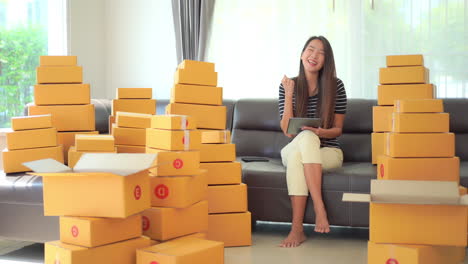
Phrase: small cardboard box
(98, 143)
(415, 212)
(123, 252)
(175, 163)
(133, 120)
(196, 94)
(419, 106)
(57, 60)
(405, 60)
(183, 250)
(217, 152)
(387, 94)
(227, 198)
(129, 136)
(162, 223)
(193, 65)
(59, 74)
(178, 192)
(74, 156)
(130, 149)
(142, 106)
(232, 229)
(31, 122)
(223, 172)
(382, 118)
(13, 159)
(35, 138)
(173, 139)
(134, 93)
(111, 123)
(206, 116)
(94, 232)
(415, 145)
(379, 141)
(67, 139)
(67, 117)
(61, 94)
(100, 185)
(195, 77)
(173, 122)
(421, 169)
(216, 136)
(420, 122)
(404, 75)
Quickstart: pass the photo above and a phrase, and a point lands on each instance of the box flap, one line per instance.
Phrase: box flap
(356, 197)
(117, 163)
(47, 166)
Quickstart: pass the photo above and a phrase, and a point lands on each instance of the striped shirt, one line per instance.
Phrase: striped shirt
(340, 108)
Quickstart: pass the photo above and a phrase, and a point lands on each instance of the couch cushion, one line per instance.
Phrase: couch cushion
(464, 173)
(262, 143)
(456, 107)
(358, 118)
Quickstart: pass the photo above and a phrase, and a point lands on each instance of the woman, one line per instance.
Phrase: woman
(315, 92)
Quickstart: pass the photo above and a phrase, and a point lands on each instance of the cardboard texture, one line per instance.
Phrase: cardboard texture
(216, 137)
(129, 136)
(74, 155)
(94, 232)
(57, 60)
(99, 143)
(387, 94)
(61, 94)
(67, 117)
(196, 77)
(404, 75)
(36, 138)
(173, 139)
(419, 106)
(232, 229)
(193, 65)
(173, 122)
(382, 118)
(227, 198)
(120, 185)
(405, 60)
(401, 145)
(111, 123)
(31, 122)
(420, 122)
(134, 93)
(217, 152)
(196, 94)
(223, 172)
(67, 139)
(162, 223)
(142, 106)
(59, 74)
(379, 141)
(175, 163)
(13, 159)
(206, 116)
(130, 149)
(133, 120)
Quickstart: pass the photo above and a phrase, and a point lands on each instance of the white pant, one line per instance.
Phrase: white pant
(305, 148)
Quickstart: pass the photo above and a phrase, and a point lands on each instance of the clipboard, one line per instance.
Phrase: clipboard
(295, 124)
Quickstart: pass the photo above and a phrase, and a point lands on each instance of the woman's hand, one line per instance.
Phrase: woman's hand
(317, 130)
(288, 86)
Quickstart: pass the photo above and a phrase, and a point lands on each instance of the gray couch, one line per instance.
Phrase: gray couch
(256, 132)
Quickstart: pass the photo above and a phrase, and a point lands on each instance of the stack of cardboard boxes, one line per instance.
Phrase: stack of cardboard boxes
(90, 144)
(32, 138)
(195, 94)
(60, 92)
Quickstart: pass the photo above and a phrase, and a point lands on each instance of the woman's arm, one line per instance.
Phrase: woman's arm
(288, 85)
(333, 132)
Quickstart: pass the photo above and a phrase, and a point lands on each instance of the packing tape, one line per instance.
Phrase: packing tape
(391, 253)
(183, 122)
(225, 136)
(186, 139)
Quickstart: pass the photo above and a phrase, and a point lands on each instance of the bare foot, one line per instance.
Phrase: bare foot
(294, 239)
(321, 222)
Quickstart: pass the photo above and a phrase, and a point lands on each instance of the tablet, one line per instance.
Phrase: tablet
(295, 124)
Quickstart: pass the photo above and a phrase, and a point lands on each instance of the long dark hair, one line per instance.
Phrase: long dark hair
(326, 85)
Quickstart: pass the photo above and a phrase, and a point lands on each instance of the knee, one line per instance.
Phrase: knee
(308, 136)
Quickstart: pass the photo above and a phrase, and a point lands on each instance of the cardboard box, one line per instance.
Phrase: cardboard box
(129, 136)
(99, 143)
(57, 60)
(206, 116)
(223, 172)
(67, 117)
(173, 139)
(59, 74)
(419, 106)
(94, 232)
(62, 94)
(422, 169)
(74, 155)
(124, 252)
(387, 94)
(420, 122)
(193, 65)
(402, 212)
(31, 122)
(111, 123)
(217, 152)
(162, 223)
(196, 77)
(178, 192)
(133, 120)
(13, 159)
(382, 118)
(173, 122)
(227, 198)
(196, 94)
(35, 138)
(130, 149)
(405, 60)
(404, 75)
(415, 145)
(379, 142)
(216, 137)
(134, 93)
(183, 250)
(174, 163)
(415, 254)
(118, 186)
(232, 229)
(462, 190)
(142, 106)
(67, 139)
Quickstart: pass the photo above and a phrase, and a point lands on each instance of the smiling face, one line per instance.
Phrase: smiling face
(313, 57)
